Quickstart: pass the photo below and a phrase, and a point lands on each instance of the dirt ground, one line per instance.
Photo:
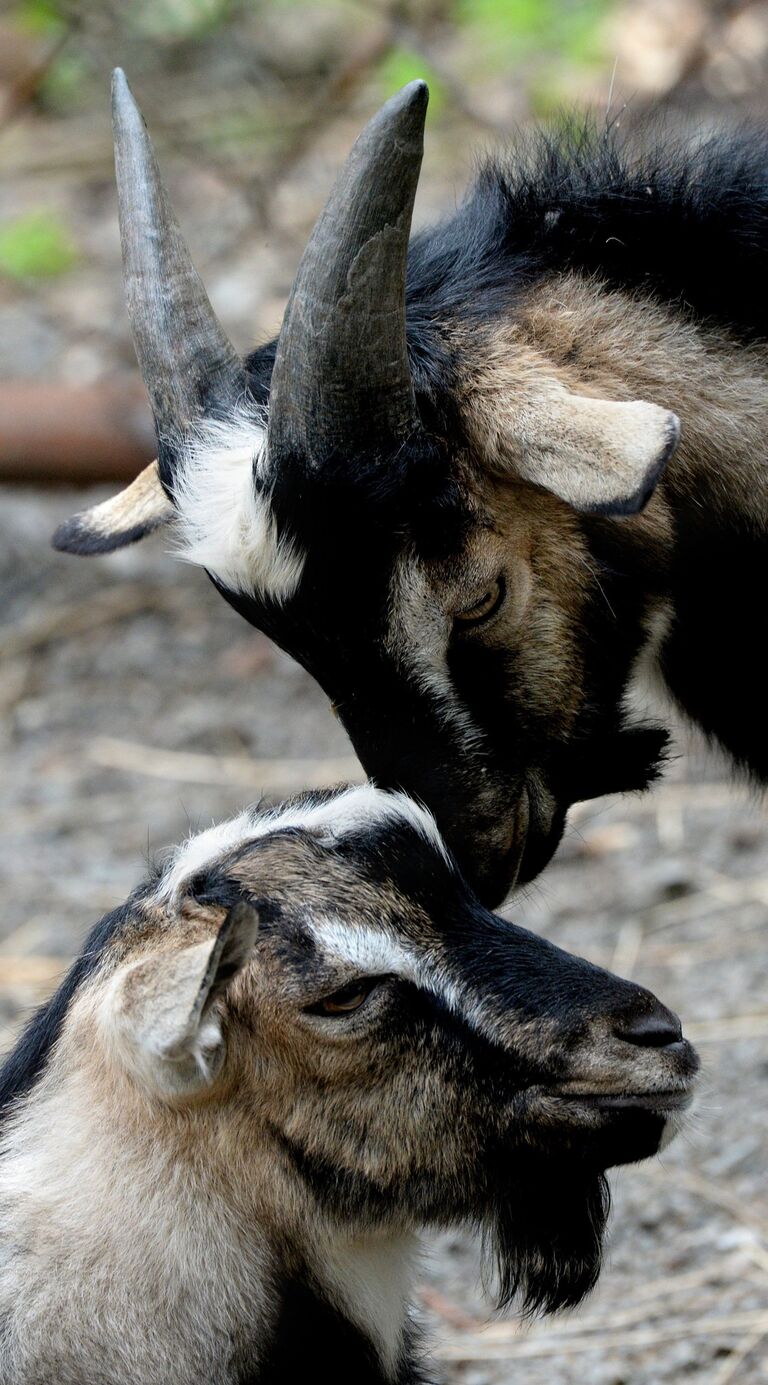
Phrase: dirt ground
(137, 705)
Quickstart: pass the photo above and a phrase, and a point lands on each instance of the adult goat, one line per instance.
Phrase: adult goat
(447, 489)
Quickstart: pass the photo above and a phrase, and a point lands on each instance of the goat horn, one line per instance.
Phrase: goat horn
(189, 366)
(341, 372)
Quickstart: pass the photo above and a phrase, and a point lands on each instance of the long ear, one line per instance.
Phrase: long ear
(135, 512)
(161, 1011)
(601, 456)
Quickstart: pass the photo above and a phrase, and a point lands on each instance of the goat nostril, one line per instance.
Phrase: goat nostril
(656, 1028)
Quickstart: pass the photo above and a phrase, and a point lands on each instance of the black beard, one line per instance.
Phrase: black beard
(543, 1235)
(542, 1218)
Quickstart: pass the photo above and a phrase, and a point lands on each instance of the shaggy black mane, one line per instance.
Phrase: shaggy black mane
(683, 219)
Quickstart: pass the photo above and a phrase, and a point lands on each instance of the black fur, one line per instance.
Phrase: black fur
(652, 215)
(683, 223)
(312, 1337)
(719, 607)
(493, 1138)
(649, 212)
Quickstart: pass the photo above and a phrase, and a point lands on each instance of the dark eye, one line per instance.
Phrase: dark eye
(483, 609)
(346, 1000)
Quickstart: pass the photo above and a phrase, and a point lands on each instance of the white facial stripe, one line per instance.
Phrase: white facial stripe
(353, 810)
(371, 951)
(418, 639)
(375, 952)
(223, 524)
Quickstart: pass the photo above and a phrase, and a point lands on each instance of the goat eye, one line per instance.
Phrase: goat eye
(345, 1000)
(483, 609)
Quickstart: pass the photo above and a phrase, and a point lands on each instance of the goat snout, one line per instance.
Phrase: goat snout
(653, 1026)
(646, 1051)
(630, 1078)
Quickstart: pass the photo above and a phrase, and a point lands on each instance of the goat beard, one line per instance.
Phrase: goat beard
(543, 1235)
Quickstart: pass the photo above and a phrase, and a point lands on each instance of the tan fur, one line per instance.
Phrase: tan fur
(145, 1222)
(574, 334)
(142, 503)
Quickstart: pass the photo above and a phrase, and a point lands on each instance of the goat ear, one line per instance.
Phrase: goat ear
(161, 1011)
(601, 456)
(126, 518)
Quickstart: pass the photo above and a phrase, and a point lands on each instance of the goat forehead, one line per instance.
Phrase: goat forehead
(359, 809)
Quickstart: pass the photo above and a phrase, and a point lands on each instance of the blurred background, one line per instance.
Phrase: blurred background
(136, 706)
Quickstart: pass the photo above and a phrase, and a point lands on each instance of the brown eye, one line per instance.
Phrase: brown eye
(483, 609)
(344, 1001)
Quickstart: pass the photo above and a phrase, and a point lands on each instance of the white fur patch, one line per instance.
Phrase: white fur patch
(646, 693)
(370, 1277)
(352, 810)
(371, 951)
(223, 523)
(92, 1213)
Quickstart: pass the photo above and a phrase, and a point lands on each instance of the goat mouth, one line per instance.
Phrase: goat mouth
(658, 1102)
(618, 1127)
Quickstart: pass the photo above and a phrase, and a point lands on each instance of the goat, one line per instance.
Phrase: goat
(455, 489)
(299, 1044)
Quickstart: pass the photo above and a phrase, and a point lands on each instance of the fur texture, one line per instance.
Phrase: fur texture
(301, 1044)
(565, 326)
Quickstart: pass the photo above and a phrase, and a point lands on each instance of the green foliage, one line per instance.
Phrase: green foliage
(35, 245)
(180, 19)
(39, 16)
(401, 66)
(514, 29)
(62, 85)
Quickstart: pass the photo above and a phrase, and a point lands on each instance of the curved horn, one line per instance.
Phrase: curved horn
(341, 370)
(189, 366)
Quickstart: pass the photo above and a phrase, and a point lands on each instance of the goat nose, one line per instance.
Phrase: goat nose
(655, 1027)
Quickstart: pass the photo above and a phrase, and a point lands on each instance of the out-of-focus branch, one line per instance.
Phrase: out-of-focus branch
(26, 86)
(63, 434)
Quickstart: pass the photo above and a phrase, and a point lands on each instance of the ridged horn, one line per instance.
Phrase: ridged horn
(341, 372)
(189, 366)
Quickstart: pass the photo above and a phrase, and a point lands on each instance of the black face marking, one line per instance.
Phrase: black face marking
(362, 516)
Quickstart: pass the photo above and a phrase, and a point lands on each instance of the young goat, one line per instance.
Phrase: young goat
(301, 1043)
(429, 490)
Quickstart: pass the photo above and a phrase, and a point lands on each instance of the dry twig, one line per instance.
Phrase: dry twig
(265, 776)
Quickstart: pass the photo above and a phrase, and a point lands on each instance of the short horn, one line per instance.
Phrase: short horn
(189, 366)
(341, 371)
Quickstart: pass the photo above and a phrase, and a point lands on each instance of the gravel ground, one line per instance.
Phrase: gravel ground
(137, 705)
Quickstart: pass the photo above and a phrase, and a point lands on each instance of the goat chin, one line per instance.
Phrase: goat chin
(543, 1240)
